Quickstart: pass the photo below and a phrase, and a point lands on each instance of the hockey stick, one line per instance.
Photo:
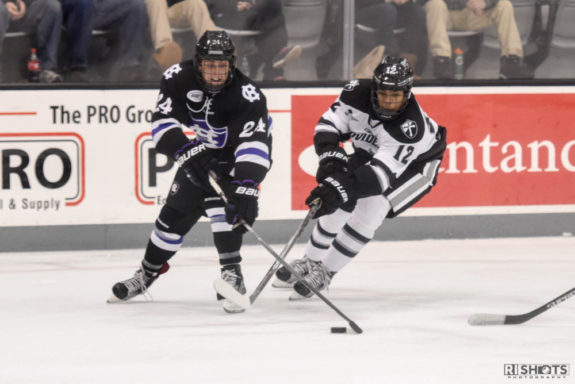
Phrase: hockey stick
(492, 319)
(220, 192)
(243, 300)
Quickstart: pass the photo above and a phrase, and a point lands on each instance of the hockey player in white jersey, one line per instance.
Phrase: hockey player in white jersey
(397, 152)
(229, 116)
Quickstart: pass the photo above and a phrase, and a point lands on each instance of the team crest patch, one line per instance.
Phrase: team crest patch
(195, 96)
(351, 85)
(250, 93)
(174, 188)
(409, 128)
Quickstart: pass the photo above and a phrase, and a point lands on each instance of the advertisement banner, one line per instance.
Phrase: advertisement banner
(87, 157)
(503, 149)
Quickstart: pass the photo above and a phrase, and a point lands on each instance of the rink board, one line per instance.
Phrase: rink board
(81, 164)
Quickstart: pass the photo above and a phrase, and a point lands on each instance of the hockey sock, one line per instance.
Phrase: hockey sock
(367, 216)
(324, 233)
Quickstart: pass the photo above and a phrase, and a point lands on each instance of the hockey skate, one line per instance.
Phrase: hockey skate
(232, 274)
(137, 285)
(284, 278)
(318, 277)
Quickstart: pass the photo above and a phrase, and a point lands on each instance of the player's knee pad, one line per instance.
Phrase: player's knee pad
(368, 214)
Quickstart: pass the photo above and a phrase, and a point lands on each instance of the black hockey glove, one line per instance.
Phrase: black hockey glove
(331, 161)
(334, 192)
(196, 161)
(242, 203)
(359, 158)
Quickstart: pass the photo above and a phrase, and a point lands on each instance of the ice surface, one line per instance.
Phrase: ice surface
(412, 300)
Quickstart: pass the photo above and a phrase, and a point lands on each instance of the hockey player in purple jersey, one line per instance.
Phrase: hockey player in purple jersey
(229, 117)
(397, 152)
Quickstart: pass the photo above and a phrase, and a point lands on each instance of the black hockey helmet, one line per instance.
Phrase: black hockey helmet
(215, 45)
(395, 74)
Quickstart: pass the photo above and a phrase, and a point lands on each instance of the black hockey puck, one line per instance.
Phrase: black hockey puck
(338, 329)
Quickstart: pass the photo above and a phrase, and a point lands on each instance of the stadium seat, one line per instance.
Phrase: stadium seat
(304, 21)
(564, 31)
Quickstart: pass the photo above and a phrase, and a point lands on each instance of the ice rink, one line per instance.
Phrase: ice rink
(412, 300)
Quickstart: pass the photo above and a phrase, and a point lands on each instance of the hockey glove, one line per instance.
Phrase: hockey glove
(331, 161)
(359, 158)
(242, 203)
(334, 192)
(196, 160)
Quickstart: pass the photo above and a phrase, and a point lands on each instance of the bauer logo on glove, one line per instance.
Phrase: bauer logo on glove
(338, 187)
(190, 153)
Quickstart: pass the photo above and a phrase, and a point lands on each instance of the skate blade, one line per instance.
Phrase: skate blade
(297, 297)
(113, 300)
(230, 307)
(277, 283)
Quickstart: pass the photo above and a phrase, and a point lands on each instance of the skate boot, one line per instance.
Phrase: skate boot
(139, 284)
(319, 278)
(232, 274)
(284, 278)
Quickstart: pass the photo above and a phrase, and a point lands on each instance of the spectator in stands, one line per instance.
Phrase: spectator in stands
(444, 15)
(167, 14)
(43, 18)
(126, 17)
(259, 15)
(384, 16)
(407, 15)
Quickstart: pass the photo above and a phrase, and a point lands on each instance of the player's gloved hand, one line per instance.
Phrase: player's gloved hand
(359, 158)
(334, 192)
(331, 161)
(242, 203)
(196, 161)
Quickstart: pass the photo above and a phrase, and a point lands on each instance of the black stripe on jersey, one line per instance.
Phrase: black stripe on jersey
(356, 235)
(324, 232)
(327, 122)
(316, 244)
(343, 250)
(429, 124)
(380, 164)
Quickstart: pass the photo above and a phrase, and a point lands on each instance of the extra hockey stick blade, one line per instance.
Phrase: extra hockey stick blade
(486, 319)
(490, 319)
(227, 291)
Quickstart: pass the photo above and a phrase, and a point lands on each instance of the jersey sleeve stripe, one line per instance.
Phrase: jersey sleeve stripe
(253, 152)
(160, 127)
(248, 158)
(383, 173)
(324, 121)
(411, 189)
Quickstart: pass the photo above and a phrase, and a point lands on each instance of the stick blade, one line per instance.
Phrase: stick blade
(355, 328)
(486, 319)
(231, 294)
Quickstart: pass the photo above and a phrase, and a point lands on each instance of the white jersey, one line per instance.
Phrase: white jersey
(394, 145)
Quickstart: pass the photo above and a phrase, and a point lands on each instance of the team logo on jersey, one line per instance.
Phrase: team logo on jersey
(409, 128)
(351, 85)
(173, 70)
(250, 93)
(174, 188)
(195, 96)
(212, 137)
